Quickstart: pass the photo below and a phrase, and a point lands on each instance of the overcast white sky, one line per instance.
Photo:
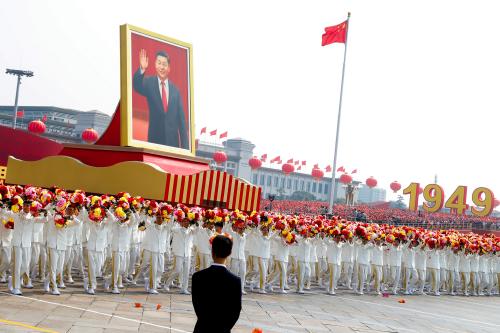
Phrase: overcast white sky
(420, 95)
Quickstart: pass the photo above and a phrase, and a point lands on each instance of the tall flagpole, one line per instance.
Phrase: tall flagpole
(333, 186)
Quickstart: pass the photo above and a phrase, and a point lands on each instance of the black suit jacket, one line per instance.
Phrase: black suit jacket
(165, 128)
(216, 296)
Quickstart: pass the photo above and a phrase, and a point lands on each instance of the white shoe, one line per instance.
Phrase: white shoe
(437, 293)
(3, 279)
(62, 285)
(166, 288)
(243, 292)
(10, 282)
(331, 292)
(55, 292)
(16, 292)
(153, 291)
(70, 279)
(281, 291)
(90, 291)
(261, 291)
(300, 291)
(185, 292)
(85, 284)
(106, 285)
(121, 286)
(406, 293)
(287, 288)
(28, 285)
(360, 293)
(115, 291)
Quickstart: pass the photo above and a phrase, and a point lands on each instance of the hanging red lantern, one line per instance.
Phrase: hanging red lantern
(36, 127)
(287, 168)
(371, 182)
(345, 179)
(220, 157)
(254, 163)
(90, 135)
(395, 186)
(317, 173)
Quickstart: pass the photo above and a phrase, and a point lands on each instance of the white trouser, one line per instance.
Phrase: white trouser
(474, 279)
(259, 269)
(409, 273)
(68, 260)
(205, 260)
(35, 259)
(303, 273)
(55, 261)
(21, 257)
(362, 276)
(181, 271)
(334, 273)
(278, 274)
(94, 262)
(377, 277)
(347, 268)
(485, 281)
(422, 273)
(395, 277)
(5, 257)
(465, 279)
(239, 268)
(435, 279)
(451, 280)
(118, 266)
(443, 278)
(78, 258)
(134, 258)
(152, 267)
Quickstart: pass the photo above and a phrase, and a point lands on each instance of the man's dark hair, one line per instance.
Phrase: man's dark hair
(222, 246)
(163, 54)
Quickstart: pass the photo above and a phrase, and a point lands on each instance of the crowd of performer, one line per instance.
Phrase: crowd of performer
(51, 235)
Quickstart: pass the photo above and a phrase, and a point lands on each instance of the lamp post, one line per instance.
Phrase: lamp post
(18, 73)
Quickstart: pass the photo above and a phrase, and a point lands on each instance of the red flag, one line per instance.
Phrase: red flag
(300, 167)
(341, 169)
(44, 119)
(263, 157)
(316, 166)
(280, 161)
(290, 161)
(277, 158)
(20, 114)
(212, 133)
(354, 171)
(223, 135)
(335, 34)
(296, 162)
(203, 130)
(304, 162)
(328, 168)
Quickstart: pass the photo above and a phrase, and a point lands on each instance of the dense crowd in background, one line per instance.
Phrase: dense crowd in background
(382, 213)
(52, 235)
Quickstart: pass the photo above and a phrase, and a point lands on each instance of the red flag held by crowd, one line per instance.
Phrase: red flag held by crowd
(335, 34)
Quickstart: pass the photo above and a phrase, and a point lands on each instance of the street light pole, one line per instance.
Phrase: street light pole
(18, 73)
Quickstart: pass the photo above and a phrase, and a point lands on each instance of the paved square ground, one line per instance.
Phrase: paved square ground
(75, 312)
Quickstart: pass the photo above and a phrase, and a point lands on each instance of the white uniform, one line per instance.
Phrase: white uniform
(363, 263)
(347, 263)
(262, 253)
(395, 256)
(464, 269)
(303, 258)
(421, 266)
(377, 261)
(434, 267)
(182, 243)
(238, 259)
(5, 244)
(97, 242)
(409, 267)
(280, 262)
(57, 242)
(202, 236)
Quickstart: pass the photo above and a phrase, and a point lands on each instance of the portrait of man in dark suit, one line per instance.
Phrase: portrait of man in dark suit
(167, 124)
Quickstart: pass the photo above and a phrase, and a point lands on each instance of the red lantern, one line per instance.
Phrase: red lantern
(371, 182)
(90, 135)
(317, 173)
(254, 163)
(220, 157)
(345, 179)
(395, 186)
(36, 127)
(287, 168)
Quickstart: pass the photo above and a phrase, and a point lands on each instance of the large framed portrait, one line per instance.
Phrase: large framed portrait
(156, 106)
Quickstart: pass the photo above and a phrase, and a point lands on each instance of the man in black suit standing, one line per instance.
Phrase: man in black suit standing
(216, 292)
(167, 125)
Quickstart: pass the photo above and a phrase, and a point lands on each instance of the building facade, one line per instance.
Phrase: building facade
(371, 195)
(297, 185)
(62, 125)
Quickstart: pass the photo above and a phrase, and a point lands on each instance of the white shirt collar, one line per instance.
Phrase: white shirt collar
(221, 265)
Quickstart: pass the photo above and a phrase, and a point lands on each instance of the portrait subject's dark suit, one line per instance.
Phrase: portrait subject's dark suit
(216, 296)
(165, 128)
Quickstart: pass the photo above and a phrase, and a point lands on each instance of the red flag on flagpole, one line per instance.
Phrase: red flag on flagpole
(20, 114)
(263, 157)
(290, 161)
(341, 169)
(316, 166)
(280, 161)
(354, 171)
(328, 168)
(203, 130)
(44, 119)
(296, 162)
(335, 34)
(304, 162)
(300, 167)
(277, 158)
(223, 135)
(212, 133)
